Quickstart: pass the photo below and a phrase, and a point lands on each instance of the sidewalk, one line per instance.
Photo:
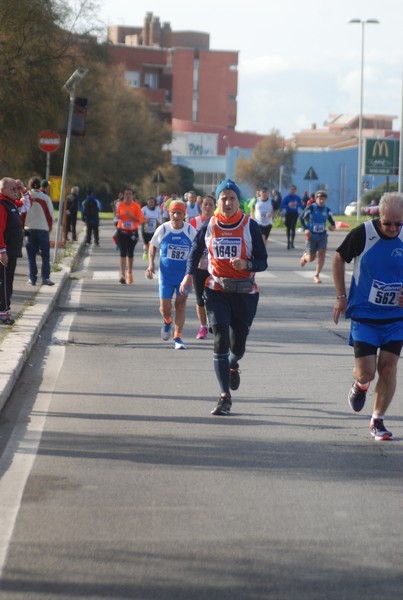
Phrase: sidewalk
(30, 307)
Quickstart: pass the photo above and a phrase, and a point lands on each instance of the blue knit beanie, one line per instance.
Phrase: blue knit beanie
(228, 184)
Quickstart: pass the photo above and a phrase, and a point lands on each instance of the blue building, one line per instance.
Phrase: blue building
(332, 153)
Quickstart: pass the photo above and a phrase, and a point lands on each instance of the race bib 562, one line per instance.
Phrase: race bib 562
(385, 294)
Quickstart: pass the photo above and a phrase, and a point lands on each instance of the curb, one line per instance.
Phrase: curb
(18, 343)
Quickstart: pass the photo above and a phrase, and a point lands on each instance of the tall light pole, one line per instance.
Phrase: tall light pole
(70, 87)
(400, 184)
(280, 177)
(359, 165)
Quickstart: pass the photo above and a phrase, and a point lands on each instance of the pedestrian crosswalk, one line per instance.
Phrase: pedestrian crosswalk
(303, 273)
(265, 275)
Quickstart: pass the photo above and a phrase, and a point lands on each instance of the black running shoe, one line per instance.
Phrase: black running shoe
(356, 397)
(379, 431)
(223, 406)
(234, 378)
(7, 320)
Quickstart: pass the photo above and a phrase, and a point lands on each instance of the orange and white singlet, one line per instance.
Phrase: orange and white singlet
(224, 243)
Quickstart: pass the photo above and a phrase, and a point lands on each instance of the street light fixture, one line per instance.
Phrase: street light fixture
(70, 87)
(359, 174)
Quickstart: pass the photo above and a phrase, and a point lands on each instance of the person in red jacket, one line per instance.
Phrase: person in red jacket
(14, 202)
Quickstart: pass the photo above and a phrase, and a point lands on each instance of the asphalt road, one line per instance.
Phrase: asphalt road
(118, 483)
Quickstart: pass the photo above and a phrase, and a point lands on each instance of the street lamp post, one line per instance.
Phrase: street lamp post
(280, 177)
(70, 86)
(359, 165)
(227, 149)
(400, 184)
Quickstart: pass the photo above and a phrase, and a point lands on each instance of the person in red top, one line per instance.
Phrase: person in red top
(14, 201)
(130, 216)
(236, 251)
(207, 207)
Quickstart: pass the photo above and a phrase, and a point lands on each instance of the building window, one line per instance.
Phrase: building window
(207, 182)
(196, 75)
(151, 80)
(132, 78)
(195, 101)
(194, 109)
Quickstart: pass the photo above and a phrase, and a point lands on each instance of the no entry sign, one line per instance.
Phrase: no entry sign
(49, 141)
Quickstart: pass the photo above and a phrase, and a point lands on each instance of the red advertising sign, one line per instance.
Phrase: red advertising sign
(49, 141)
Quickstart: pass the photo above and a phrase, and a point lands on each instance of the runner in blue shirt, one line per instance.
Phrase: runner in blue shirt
(374, 305)
(174, 240)
(291, 207)
(313, 220)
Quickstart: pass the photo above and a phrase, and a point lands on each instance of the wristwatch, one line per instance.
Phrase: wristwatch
(249, 265)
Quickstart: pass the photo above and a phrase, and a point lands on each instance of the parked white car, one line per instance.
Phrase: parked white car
(351, 209)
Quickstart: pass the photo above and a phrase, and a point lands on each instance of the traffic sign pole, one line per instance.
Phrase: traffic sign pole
(47, 166)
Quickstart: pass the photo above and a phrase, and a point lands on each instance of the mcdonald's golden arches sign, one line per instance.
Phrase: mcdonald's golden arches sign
(381, 156)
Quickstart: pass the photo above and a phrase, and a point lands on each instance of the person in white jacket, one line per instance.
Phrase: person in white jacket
(38, 224)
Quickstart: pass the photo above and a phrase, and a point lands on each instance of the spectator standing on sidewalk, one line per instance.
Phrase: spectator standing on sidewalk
(72, 207)
(38, 224)
(374, 305)
(90, 216)
(14, 202)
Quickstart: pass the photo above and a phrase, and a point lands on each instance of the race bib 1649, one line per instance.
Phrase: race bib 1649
(227, 247)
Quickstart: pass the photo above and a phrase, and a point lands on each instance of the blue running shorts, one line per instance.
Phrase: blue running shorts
(376, 335)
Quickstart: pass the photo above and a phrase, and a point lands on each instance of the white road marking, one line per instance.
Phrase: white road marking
(19, 455)
(105, 275)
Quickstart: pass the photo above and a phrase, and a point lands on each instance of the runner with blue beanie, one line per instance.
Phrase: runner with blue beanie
(235, 251)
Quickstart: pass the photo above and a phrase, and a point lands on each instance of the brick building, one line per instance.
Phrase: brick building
(178, 73)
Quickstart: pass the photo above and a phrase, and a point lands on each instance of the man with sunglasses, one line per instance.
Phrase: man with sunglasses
(374, 305)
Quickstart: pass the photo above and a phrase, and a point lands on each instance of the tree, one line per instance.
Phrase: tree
(41, 45)
(35, 51)
(378, 191)
(264, 166)
(123, 143)
(171, 174)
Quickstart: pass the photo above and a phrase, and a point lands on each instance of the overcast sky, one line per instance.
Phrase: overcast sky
(298, 61)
